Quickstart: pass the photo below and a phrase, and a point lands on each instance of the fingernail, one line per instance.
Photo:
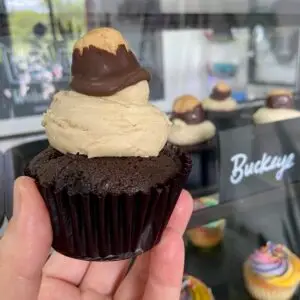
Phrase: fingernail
(17, 198)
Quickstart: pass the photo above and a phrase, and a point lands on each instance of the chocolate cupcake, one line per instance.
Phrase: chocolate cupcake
(109, 178)
(279, 106)
(194, 134)
(220, 107)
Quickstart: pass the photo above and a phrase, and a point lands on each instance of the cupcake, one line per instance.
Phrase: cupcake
(220, 107)
(190, 127)
(279, 106)
(209, 235)
(272, 273)
(194, 289)
(196, 135)
(109, 178)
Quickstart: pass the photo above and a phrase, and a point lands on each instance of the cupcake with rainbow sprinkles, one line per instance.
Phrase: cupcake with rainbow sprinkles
(194, 289)
(272, 273)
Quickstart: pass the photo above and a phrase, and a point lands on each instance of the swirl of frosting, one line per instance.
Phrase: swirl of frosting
(124, 124)
(108, 112)
(270, 261)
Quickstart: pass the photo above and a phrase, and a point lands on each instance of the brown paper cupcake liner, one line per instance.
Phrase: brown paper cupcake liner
(89, 227)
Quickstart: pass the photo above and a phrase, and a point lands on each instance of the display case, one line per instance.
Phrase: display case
(188, 46)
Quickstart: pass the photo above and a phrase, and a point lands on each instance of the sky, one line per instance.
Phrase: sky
(34, 5)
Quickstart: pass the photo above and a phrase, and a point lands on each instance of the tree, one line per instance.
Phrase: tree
(4, 25)
(69, 11)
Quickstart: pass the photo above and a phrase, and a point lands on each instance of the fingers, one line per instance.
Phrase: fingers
(166, 268)
(104, 277)
(66, 269)
(182, 213)
(55, 289)
(134, 284)
(25, 246)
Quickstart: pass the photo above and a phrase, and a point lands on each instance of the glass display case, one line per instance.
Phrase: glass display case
(248, 169)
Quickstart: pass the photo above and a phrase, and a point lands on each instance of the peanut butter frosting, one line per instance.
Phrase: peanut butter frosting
(122, 123)
(183, 134)
(226, 105)
(268, 115)
(279, 106)
(220, 99)
(189, 126)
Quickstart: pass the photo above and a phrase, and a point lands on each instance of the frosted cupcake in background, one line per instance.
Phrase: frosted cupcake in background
(211, 234)
(189, 126)
(220, 107)
(196, 135)
(279, 106)
(272, 273)
(220, 99)
(194, 289)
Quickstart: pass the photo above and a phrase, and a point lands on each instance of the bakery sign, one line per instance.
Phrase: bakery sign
(257, 158)
(243, 168)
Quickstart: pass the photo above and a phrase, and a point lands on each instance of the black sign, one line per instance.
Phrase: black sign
(255, 159)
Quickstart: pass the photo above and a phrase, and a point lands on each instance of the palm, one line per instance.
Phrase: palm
(65, 278)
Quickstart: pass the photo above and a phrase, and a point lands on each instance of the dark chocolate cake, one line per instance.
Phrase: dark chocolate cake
(115, 175)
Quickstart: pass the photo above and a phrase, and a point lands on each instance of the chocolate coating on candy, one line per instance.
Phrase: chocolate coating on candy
(220, 92)
(103, 64)
(280, 99)
(188, 109)
(194, 116)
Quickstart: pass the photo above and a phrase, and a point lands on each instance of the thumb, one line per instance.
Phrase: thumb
(25, 246)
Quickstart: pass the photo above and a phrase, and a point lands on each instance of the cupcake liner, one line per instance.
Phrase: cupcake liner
(111, 227)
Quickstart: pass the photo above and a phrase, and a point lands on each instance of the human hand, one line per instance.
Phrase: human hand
(26, 273)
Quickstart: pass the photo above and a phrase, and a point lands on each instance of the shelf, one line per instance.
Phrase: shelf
(171, 21)
(257, 202)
